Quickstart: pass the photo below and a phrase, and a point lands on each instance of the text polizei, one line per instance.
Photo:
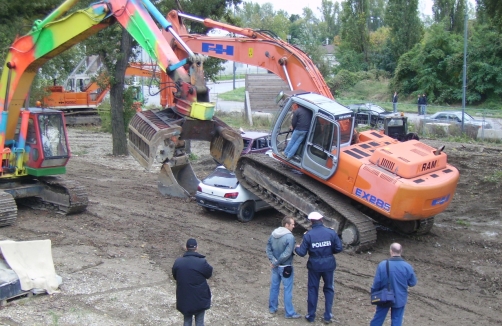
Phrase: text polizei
(321, 244)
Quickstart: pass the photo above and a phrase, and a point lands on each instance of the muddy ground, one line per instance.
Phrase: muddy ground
(115, 259)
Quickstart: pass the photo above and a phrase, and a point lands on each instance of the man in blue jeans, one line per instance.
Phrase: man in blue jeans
(280, 248)
(401, 277)
(300, 124)
(321, 243)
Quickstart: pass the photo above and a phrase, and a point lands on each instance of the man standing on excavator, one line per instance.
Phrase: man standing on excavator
(300, 124)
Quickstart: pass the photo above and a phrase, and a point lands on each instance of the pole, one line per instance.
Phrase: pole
(464, 77)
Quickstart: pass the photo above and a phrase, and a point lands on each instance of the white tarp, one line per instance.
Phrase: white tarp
(32, 262)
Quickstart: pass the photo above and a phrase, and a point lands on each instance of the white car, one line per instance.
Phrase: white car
(221, 191)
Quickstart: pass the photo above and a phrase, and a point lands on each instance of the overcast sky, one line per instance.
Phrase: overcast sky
(296, 6)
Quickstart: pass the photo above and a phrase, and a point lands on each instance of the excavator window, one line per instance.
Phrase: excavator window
(52, 135)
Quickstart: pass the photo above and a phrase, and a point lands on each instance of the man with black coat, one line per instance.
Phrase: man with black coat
(321, 243)
(193, 296)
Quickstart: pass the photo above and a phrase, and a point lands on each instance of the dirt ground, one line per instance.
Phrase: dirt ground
(115, 259)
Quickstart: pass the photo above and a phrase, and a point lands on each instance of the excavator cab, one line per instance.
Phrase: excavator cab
(331, 128)
(46, 142)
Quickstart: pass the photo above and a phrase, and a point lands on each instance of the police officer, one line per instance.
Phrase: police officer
(321, 243)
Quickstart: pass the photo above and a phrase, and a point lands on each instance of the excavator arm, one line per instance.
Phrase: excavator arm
(254, 47)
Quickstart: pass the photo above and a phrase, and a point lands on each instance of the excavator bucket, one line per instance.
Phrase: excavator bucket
(178, 179)
(159, 137)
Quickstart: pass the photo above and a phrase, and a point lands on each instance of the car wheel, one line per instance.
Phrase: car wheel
(246, 212)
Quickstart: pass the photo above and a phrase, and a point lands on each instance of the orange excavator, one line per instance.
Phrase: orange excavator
(352, 182)
(81, 95)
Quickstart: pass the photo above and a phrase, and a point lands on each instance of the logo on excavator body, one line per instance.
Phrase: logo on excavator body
(372, 199)
(217, 48)
(429, 165)
(440, 201)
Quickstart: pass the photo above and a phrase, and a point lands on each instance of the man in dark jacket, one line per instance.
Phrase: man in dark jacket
(401, 276)
(193, 296)
(394, 102)
(321, 243)
(280, 246)
(424, 104)
(300, 125)
(419, 102)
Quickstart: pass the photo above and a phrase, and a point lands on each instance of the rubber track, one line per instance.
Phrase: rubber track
(310, 194)
(72, 190)
(8, 209)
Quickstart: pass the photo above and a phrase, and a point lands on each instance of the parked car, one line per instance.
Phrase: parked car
(369, 113)
(222, 192)
(255, 142)
(455, 117)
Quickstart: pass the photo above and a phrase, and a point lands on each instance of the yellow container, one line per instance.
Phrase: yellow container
(202, 110)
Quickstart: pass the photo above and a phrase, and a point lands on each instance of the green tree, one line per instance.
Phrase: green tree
(491, 9)
(433, 67)
(451, 13)
(402, 37)
(354, 35)
(377, 14)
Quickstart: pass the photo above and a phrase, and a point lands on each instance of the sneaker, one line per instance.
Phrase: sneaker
(309, 318)
(272, 312)
(295, 316)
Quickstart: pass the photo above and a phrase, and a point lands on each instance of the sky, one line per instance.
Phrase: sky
(296, 6)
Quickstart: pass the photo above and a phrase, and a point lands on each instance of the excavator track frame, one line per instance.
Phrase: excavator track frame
(64, 196)
(295, 194)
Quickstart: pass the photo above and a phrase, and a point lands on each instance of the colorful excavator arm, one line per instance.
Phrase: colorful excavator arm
(252, 47)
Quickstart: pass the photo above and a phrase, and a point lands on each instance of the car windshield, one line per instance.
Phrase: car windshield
(246, 142)
(221, 178)
(467, 117)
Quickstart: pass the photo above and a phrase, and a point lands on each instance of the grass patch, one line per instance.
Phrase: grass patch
(237, 95)
(463, 223)
(238, 120)
(369, 91)
(230, 77)
(55, 318)
(495, 177)
(193, 157)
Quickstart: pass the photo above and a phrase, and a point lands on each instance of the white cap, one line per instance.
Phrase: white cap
(315, 216)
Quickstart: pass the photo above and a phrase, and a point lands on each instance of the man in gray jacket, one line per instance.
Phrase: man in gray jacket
(280, 248)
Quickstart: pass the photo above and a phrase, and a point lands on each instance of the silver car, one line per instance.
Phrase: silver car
(455, 117)
(221, 191)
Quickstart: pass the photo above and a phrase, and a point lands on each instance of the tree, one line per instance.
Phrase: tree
(377, 13)
(402, 37)
(354, 34)
(451, 12)
(491, 9)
